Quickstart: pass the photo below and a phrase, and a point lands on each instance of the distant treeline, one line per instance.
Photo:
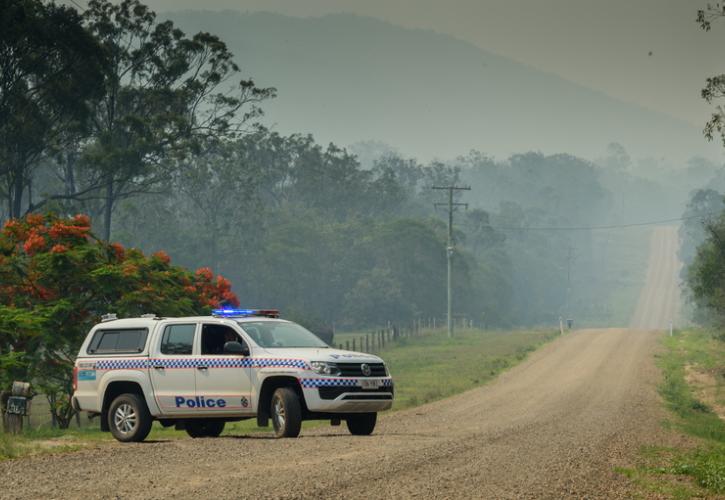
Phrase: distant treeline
(154, 134)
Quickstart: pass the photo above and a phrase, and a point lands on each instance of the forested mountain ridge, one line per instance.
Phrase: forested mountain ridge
(347, 78)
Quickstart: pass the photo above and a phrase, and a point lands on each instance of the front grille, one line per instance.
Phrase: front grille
(334, 392)
(354, 370)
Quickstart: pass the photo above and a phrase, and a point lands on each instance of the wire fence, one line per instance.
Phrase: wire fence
(377, 339)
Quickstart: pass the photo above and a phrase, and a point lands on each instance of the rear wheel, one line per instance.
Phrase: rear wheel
(362, 424)
(129, 418)
(204, 428)
(286, 413)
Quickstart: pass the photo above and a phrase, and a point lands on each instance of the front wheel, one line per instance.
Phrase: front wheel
(362, 424)
(129, 418)
(286, 413)
(204, 428)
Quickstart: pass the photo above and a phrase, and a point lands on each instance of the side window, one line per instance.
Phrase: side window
(129, 341)
(178, 339)
(213, 338)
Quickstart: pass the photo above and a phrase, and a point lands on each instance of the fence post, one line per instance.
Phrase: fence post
(367, 343)
(353, 344)
(347, 345)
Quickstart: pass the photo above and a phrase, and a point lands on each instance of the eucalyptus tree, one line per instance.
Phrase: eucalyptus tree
(714, 89)
(50, 71)
(164, 95)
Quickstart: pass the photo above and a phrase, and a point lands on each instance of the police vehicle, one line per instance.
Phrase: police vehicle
(198, 373)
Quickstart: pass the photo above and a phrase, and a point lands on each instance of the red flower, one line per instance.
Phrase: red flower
(204, 273)
(14, 228)
(129, 269)
(44, 293)
(34, 219)
(163, 256)
(118, 250)
(230, 298)
(59, 248)
(222, 282)
(62, 230)
(83, 220)
(34, 243)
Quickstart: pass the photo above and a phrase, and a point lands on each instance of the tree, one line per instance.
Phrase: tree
(50, 69)
(57, 279)
(706, 275)
(703, 208)
(164, 94)
(715, 85)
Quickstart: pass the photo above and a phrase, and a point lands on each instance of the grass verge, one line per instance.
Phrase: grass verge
(697, 469)
(425, 369)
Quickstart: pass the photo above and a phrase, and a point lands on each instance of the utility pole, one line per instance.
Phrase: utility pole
(569, 260)
(449, 249)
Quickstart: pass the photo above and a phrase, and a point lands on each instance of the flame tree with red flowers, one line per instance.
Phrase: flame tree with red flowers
(57, 279)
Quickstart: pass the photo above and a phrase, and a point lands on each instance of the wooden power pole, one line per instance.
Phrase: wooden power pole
(449, 249)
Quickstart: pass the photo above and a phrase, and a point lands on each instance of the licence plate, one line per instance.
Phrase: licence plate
(370, 384)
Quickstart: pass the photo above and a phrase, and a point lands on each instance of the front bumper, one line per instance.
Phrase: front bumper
(345, 395)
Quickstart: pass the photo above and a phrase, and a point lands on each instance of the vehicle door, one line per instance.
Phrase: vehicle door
(223, 381)
(173, 367)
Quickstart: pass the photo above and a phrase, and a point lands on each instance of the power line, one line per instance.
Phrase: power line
(594, 228)
(83, 9)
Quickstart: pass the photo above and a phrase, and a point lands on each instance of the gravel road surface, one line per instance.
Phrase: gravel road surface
(555, 426)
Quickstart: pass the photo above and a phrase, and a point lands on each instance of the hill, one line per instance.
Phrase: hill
(348, 78)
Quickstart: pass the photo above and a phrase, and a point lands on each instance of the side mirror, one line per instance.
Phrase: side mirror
(236, 348)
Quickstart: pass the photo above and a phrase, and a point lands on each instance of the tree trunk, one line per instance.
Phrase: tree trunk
(108, 210)
(17, 196)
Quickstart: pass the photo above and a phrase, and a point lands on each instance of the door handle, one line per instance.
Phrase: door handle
(202, 367)
(159, 367)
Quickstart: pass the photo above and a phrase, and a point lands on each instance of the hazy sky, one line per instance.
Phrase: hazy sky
(604, 45)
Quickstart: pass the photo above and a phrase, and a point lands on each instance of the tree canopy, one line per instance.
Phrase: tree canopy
(57, 279)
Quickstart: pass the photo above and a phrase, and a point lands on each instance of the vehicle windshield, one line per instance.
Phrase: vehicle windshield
(280, 334)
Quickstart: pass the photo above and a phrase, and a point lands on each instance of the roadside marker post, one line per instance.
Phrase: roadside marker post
(670, 328)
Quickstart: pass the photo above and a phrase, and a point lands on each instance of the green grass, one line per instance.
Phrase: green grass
(425, 369)
(663, 469)
(434, 367)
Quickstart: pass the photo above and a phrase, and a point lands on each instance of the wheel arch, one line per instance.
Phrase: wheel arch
(271, 384)
(115, 388)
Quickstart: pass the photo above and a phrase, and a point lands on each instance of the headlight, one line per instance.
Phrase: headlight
(325, 368)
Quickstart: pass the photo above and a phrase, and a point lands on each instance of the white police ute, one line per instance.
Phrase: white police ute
(198, 373)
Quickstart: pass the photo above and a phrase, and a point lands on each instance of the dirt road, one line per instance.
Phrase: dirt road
(660, 299)
(554, 426)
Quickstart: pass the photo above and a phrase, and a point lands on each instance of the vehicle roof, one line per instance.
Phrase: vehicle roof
(148, 322)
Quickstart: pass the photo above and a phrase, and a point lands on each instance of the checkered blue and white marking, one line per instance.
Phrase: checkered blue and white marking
(310, 383)
(135, 364)
(122, 364)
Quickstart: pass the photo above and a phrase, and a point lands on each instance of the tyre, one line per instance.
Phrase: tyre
(362, 424)
(129, 418)
(286, 413)
(204, 428)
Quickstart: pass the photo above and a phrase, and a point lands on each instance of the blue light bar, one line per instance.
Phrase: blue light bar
(243, 313)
